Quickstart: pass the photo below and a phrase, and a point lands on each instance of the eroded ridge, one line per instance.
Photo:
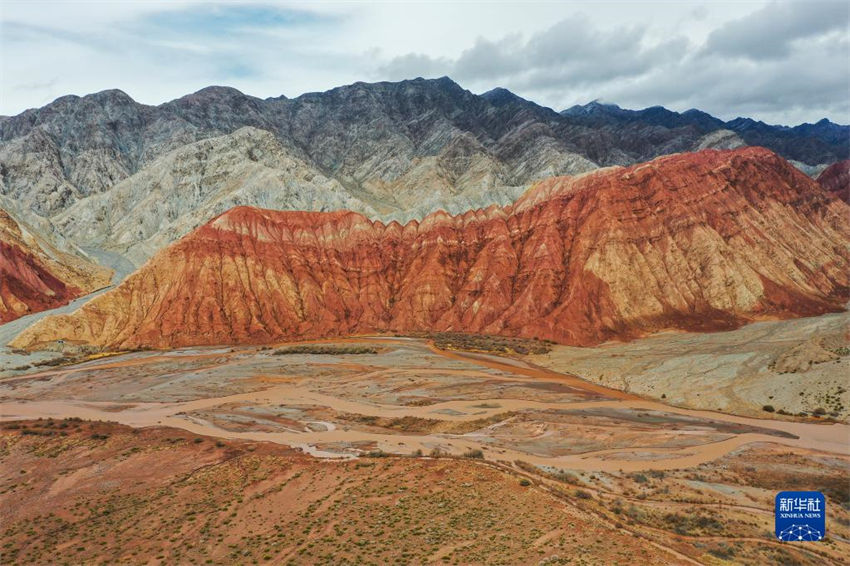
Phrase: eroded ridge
(700, 241)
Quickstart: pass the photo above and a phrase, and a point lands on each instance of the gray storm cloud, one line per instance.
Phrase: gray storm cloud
(779, 62)
(783, 63)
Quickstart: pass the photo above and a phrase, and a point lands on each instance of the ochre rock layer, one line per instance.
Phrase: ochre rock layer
(836, 179)
(35, 277)
(697, 241)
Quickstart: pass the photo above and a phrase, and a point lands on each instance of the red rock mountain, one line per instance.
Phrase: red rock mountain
(693, 241)
(34, 276)
(836, 179)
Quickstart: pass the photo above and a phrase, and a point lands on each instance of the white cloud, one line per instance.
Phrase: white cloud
(777, 62)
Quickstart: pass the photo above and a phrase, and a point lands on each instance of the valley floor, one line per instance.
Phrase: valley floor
(397, 427)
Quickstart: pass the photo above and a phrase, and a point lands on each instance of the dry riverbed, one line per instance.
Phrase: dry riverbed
(398, 426)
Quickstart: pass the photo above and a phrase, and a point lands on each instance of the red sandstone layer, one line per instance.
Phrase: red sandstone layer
(31, 280)
(694, 241)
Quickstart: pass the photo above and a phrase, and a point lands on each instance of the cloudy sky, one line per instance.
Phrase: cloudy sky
(781, 62)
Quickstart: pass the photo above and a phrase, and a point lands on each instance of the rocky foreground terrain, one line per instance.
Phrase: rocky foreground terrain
(35, 276)
(701, 241)
(110, 173)
(390, 450)
(94, 492)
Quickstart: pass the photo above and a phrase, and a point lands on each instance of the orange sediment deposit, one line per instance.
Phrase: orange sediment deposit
(702, 241)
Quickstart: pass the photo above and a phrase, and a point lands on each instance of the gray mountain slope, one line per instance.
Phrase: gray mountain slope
(109, 173)
(188, 186)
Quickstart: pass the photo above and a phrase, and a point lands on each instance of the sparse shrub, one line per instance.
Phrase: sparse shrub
(768, 408)
(691, 524)
(564, 476)
(53, 362)
(723, 552)
(325, 349)
(32, 432)
(474, 453)
(581, 494)
(524, 482)
(487, 343)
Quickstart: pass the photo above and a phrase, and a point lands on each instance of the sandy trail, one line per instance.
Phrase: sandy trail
(832, 438)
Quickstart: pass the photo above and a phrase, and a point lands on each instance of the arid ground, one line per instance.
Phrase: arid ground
(389, 450)
(794, 366)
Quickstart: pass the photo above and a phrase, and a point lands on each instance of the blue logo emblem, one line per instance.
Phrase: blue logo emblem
(800, 515)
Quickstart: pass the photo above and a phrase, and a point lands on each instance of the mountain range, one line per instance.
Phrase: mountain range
(694, 241)
(806, 145)
(107, 173)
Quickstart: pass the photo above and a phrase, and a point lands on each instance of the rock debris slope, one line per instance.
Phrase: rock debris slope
(693, 241)
(35, 276)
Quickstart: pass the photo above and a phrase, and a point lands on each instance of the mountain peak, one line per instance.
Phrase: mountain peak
(112, 94)
(216, 92)
(499, 96)
(592, 107)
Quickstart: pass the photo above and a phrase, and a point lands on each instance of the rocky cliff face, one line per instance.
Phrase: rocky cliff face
(397, 151)
(186, 187)
(51, 157)
(836, 179)
(376, 140)
(694, 241)
(34, 276)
